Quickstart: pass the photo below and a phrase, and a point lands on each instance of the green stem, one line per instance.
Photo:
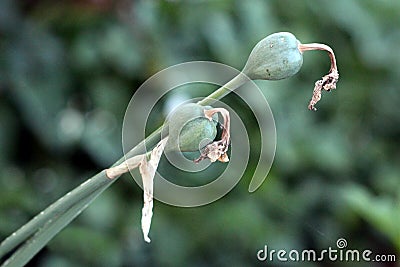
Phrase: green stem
(73, 198)
(64, 210)
(233, 84)
(50, 228)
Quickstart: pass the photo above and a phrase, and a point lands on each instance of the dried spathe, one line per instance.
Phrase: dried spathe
(147, 170)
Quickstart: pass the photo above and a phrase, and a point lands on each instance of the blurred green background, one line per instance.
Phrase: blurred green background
(69, 68)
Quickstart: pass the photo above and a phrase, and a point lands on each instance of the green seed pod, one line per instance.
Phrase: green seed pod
(275, 57)
(189, 129)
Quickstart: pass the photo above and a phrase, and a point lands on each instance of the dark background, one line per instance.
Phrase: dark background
(69, 68)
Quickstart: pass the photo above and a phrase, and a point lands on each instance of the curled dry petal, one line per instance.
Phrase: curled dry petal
(217, 149)
(328, 82)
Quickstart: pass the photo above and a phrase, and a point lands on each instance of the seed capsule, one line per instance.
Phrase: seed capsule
(280, 55)
(189, 129)
(275, 57)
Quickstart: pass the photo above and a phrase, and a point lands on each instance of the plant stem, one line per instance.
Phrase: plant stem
(233, 84)
(64, 210)
(82, 192)
(44, 234)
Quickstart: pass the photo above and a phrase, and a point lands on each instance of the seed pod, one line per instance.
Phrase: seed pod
(275, 57)
(189, 129)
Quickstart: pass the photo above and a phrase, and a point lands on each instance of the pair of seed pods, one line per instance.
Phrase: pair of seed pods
(276, 57)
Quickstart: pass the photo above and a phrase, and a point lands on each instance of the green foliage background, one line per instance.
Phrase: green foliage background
(69, 68)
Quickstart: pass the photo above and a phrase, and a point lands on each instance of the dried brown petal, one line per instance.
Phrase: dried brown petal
(327, 83)
(217, 149)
